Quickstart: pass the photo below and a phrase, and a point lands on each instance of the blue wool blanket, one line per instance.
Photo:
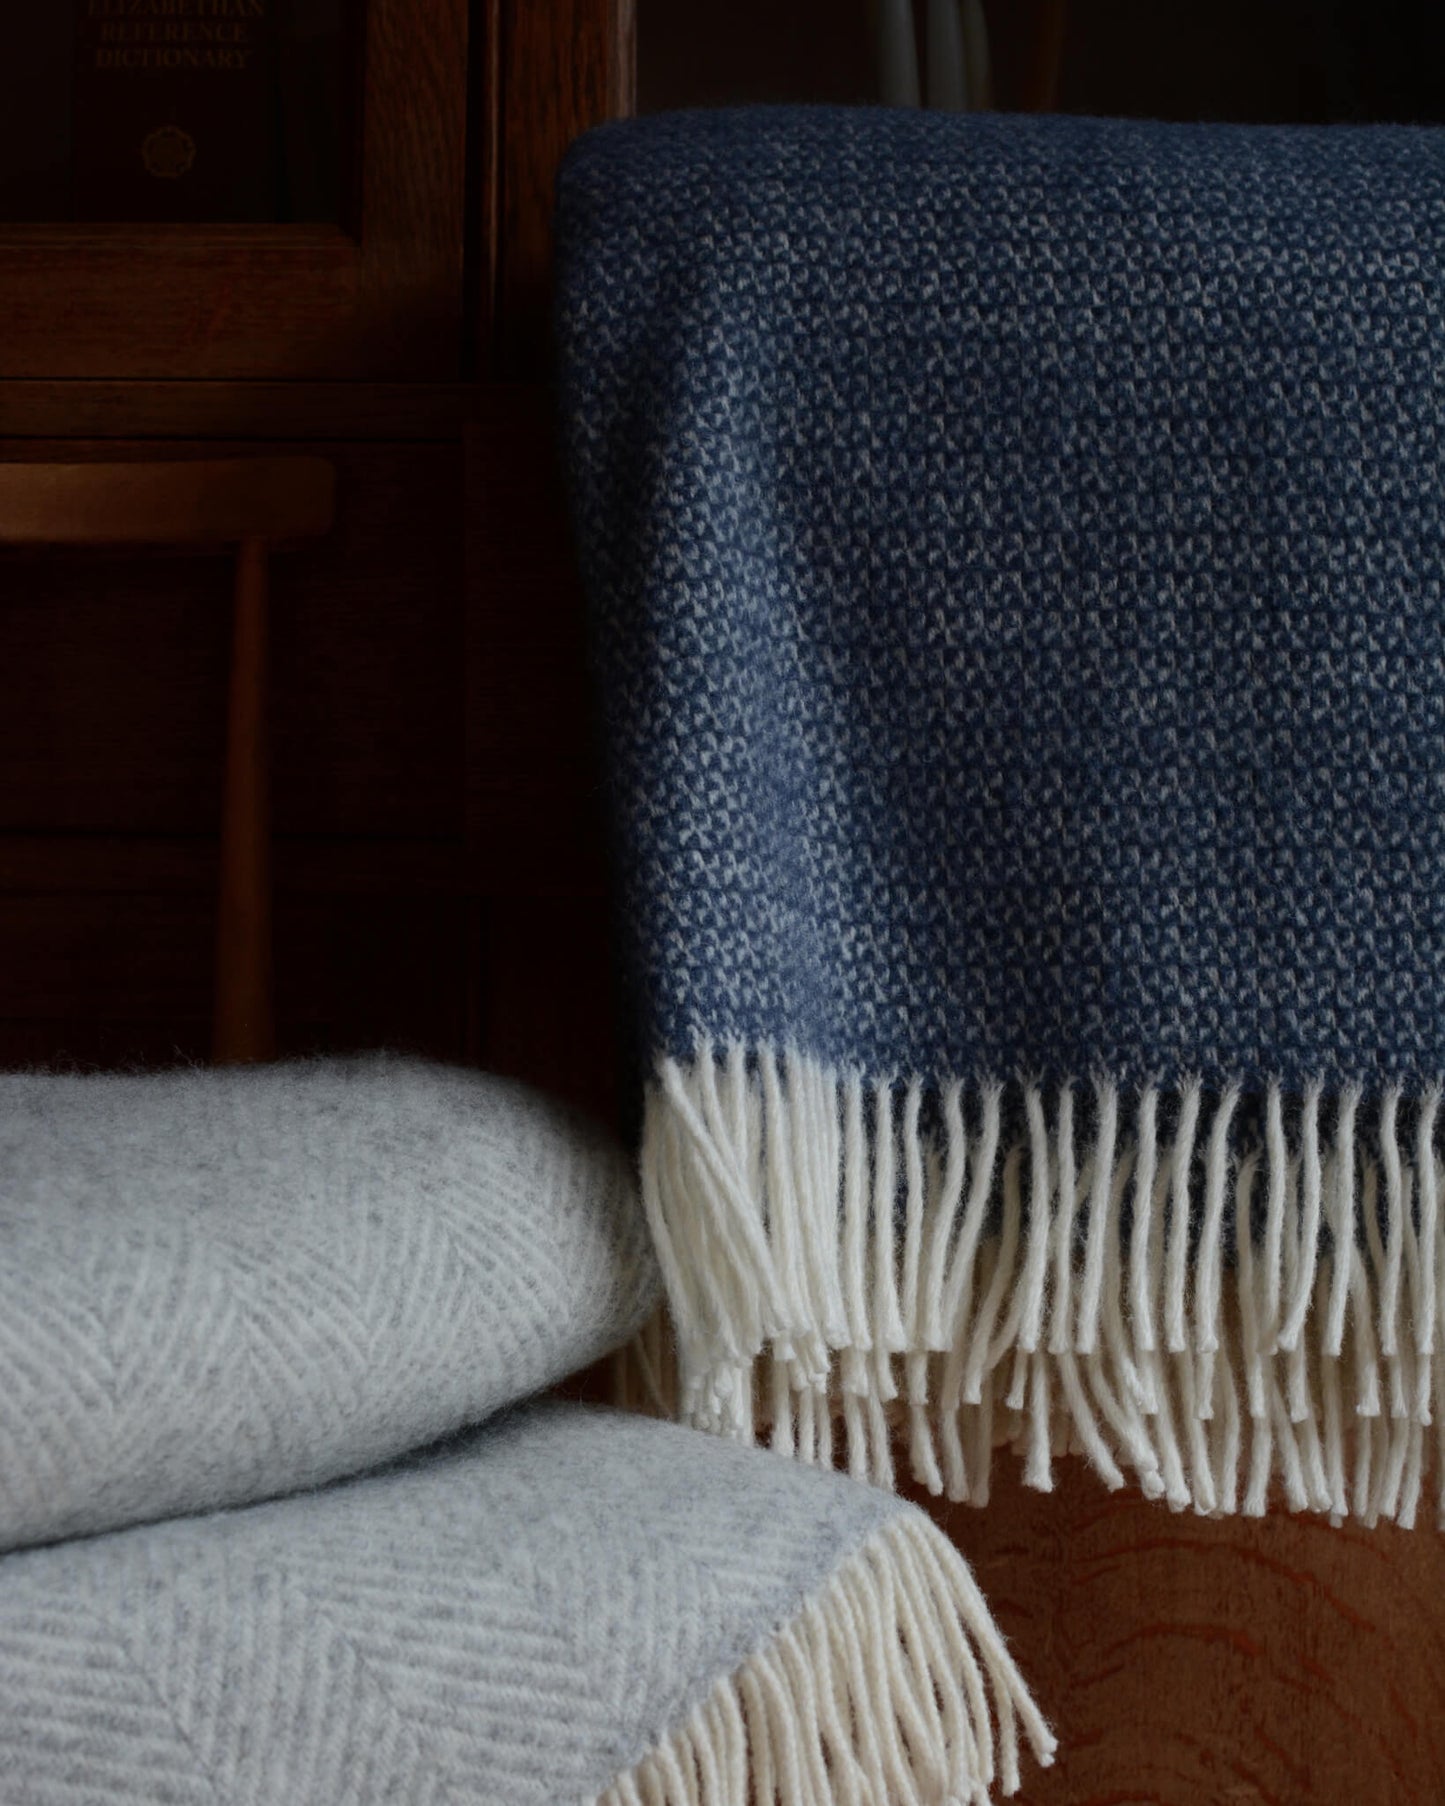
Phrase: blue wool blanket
(1015, 552)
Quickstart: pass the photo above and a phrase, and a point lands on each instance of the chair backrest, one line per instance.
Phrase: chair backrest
(251, 505)
(204, 501)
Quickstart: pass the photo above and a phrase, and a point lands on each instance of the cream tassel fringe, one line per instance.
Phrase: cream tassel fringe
(1219, 1320)
(876, 1694)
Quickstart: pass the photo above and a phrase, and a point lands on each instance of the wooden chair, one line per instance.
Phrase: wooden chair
(254, 505)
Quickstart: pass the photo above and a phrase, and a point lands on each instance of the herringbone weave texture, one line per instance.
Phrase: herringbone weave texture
(217, 1286)
(513, 1621)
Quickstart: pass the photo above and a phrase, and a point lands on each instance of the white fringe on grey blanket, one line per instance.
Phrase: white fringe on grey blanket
(828, 1256)
(880, 1689)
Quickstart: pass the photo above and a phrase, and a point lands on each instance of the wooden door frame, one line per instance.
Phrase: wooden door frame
(245, 302)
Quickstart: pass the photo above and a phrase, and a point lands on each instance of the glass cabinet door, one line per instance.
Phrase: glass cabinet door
(232, 189)
(198, 111)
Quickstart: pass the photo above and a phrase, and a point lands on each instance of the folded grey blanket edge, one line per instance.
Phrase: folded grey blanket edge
(572, 1603)
(219, 1286)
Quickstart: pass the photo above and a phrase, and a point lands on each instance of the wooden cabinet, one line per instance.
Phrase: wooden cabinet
(110, 763)
(425, 820)
(377, 295)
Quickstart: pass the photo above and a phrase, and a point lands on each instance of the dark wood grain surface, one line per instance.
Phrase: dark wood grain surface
(435, 786)
(1236, 1662)
(37, 408)
(110, 772)
(380, 298)
(115, 666)
(559, 68)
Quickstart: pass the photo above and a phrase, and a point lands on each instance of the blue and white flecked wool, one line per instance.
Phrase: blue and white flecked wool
(1015, 549)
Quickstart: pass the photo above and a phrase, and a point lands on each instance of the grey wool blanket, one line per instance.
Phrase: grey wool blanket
(568, 1606)
(217, 1286)
(1016, 549)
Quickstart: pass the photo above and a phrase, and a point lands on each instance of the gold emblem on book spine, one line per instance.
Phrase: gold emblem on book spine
(168, 152)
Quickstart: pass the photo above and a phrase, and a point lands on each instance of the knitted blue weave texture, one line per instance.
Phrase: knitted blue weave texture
(1016, 555)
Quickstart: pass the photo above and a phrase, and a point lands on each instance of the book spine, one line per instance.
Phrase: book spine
(174, 105)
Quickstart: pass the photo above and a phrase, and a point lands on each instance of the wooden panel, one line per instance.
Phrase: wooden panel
(548, 1009)
(369, 682)
(371, 972)
(533, 782)
(535, 843)
(231, 410)
(96, 959)
(554, 70)
(542, 974)
(110, 768)
(115, 668)
(287, 301)
(145, 865)
(1192, 1663)
(207, 503)
(115, 980)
